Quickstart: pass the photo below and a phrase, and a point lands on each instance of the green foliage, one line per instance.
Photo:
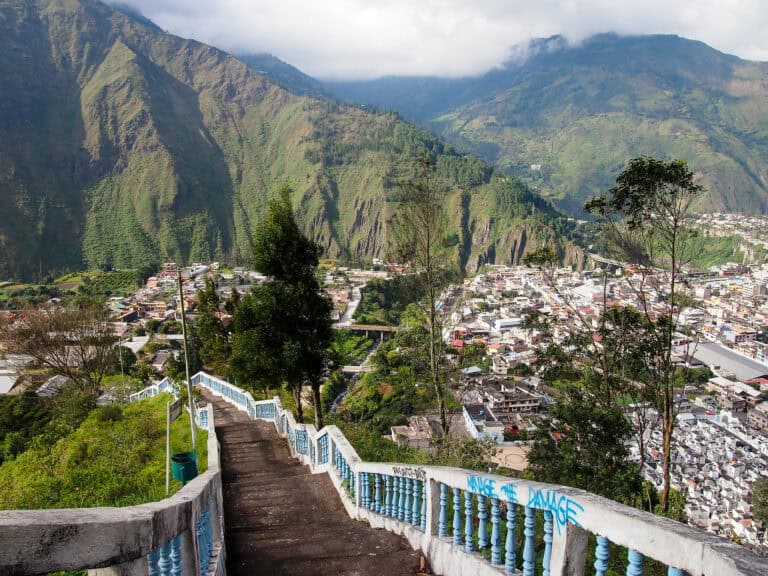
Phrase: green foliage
(215, 346)
(349, 348)
(384, 301)
(116, 457)
(584, 445)
(22, 417)
(760, 500)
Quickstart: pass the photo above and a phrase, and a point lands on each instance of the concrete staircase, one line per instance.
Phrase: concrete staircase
(280, 519)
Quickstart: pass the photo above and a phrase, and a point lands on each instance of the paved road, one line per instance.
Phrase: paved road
(282, 520)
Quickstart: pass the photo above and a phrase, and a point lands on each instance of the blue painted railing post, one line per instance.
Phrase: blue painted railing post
(547, 542)
(395, 497)
(601, 556)
(416, 508)
(674, 571)
(457, 517)
(152, 559)
(635, 566)
(388, 495)
(510, 546)
(402, 509)
(495, 532)
(482, 527)
(408, 495)
(364, 490)
(377, 494)
(528, 550)
(442, 519)
(164, 561)
(469, 522)
(424, 497)
(176, 566)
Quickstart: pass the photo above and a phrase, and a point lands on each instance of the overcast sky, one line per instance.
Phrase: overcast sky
(370, 38)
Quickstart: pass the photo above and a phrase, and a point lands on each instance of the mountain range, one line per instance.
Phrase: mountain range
(566, 118)
(122, 145)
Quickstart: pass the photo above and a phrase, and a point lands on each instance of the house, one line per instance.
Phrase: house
(417, 434)
(481, 423)
(161, 358)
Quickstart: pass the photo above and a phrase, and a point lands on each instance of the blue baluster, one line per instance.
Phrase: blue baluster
(405, 500)
(469, 522)
(388, 495)
(176, 566)
(635, 566)
(601, 556)
(424, 506)
(442, 520)
(395, 497)
(674, 571)
(547, 543)
(457, 517)
(377, 493)
(363, 497)
(408, 491)
(482, 527)
(164, 561)
(152, 559)
(416, 508)
(495, 532)
(528, 549)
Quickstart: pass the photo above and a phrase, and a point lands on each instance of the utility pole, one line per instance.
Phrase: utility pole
(186, 364)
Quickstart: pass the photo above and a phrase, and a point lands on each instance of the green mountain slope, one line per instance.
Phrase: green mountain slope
(121, 145)
(567, 118)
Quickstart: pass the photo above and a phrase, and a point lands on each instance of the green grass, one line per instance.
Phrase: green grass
(107, 461)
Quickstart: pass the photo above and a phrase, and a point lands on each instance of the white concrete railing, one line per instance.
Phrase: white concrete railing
(165, 385)
(180, 535)
(449, 514)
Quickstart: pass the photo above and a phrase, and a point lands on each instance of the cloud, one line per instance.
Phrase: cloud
(371, 38)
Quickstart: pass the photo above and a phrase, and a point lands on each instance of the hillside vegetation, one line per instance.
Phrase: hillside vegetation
(116, 457)
(121, 145)
(567, 119)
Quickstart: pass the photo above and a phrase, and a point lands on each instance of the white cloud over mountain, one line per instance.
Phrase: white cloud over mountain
(370, 38)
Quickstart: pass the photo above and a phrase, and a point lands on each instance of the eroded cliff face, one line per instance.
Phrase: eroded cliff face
(509, 244)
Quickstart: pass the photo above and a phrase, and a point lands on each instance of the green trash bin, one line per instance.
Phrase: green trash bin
(184, 466)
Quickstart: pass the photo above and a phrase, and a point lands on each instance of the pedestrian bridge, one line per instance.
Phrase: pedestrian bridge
(284, 498)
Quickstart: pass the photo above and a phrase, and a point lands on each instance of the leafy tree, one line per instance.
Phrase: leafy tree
(74, 342)
(584, 444)
(417, 230)
(288, 317)
(644, 217)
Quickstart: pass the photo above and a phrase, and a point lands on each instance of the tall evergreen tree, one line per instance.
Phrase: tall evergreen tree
(283, 327)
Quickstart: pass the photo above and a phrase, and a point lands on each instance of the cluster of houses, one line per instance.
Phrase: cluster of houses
(715, 462)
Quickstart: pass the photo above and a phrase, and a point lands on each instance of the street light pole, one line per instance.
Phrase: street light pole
(186, 364)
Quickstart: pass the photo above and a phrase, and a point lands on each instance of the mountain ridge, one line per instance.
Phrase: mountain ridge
(121, 145)
(566, 118)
